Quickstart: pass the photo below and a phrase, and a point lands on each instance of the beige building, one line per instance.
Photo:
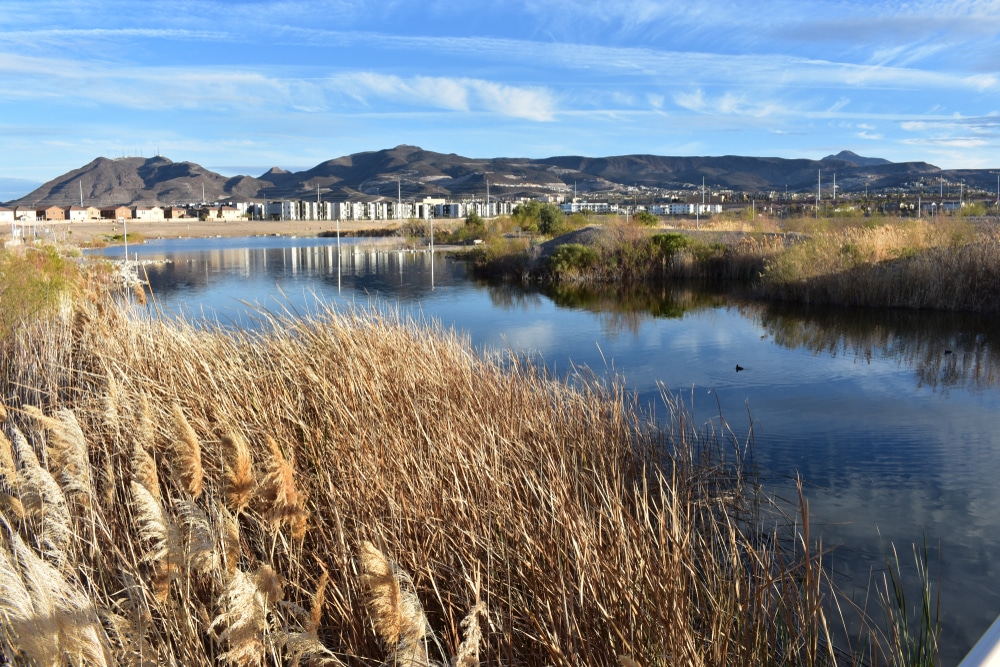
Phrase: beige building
(116, 212)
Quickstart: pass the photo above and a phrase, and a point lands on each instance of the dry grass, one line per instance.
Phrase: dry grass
(519, 520)
(940, 263)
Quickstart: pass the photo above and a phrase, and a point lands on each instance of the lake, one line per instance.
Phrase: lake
(890, 418)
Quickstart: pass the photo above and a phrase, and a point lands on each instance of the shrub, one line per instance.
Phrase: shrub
(668, 244)
(573, 258)
(34, 282)
(646, 219)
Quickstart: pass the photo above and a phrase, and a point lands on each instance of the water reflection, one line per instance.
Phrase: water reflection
(944, 350)
(621, 309)
(888, 416)
(289, 272)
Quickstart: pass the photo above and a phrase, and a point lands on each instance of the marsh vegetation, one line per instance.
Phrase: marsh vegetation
(356, 488)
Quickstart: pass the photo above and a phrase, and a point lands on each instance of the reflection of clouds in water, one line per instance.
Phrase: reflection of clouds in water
(531, 338)
(882, 514)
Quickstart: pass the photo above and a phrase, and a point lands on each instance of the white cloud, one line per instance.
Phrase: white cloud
(730, 104)
(455, 94)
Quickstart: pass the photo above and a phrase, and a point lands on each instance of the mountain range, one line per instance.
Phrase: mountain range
(413, 173)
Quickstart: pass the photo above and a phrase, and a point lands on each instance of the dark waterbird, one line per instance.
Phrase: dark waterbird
(738, 368)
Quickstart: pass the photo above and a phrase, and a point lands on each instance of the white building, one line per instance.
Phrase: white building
(25, 214)
(148, 213)
(589, 207)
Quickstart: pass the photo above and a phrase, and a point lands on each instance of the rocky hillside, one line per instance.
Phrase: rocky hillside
(412, 172)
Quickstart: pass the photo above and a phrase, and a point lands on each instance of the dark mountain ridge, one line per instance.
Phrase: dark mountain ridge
(412, 172)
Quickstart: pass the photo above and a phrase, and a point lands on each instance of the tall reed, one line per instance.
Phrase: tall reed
(519, 519)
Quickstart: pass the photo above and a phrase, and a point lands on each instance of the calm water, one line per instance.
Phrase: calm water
(890, 418)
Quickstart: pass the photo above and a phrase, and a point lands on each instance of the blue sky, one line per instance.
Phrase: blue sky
(243, 85)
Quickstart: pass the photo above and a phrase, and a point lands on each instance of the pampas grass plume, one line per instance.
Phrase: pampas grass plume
(161, 535)
(43, 501)
(243, 619)
(397, 613)
(144, 470)
(282, 501)
(187, 450)
(239, 477)
(67, 452)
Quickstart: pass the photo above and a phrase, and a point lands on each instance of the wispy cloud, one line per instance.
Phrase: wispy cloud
(456, 94)
(731, 104)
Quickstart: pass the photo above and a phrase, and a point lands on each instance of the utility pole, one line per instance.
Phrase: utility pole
(819, 188)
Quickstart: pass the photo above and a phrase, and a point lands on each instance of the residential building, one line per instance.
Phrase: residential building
(116, 213)
(25, 214)
(76, 213)
(148, 213)
(53, 213)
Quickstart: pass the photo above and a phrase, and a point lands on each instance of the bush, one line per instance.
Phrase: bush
(34, 282)
(646, 219)
(534, 215)
(669, 244)
(573, 258)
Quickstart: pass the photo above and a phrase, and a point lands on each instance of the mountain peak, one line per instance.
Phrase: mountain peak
(854, 158)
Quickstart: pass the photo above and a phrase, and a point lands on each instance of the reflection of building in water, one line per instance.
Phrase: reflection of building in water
(368, 268)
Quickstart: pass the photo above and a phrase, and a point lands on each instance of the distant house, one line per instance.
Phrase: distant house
(76, 213)
(228, 213)
(116, 212)
(174, 212)
(25, 214)
(93, 213)
(6, 215)
(148, 213)
(53, 213)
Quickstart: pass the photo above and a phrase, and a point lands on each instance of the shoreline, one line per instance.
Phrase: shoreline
(93, 233)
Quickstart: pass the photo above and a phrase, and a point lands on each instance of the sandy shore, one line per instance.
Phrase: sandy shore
(97, 232)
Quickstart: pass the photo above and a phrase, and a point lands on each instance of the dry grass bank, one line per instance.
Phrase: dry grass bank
(353, 489)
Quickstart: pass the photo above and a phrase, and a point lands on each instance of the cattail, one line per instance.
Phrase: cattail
(67, 453)
(43, 502)
(161, 534)
(626, 661)
(242, 623)
(281, 498)
(395, 609)
(187, 453)
(239, 477)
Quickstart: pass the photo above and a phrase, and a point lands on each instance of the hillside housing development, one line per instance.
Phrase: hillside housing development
(383, 209)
